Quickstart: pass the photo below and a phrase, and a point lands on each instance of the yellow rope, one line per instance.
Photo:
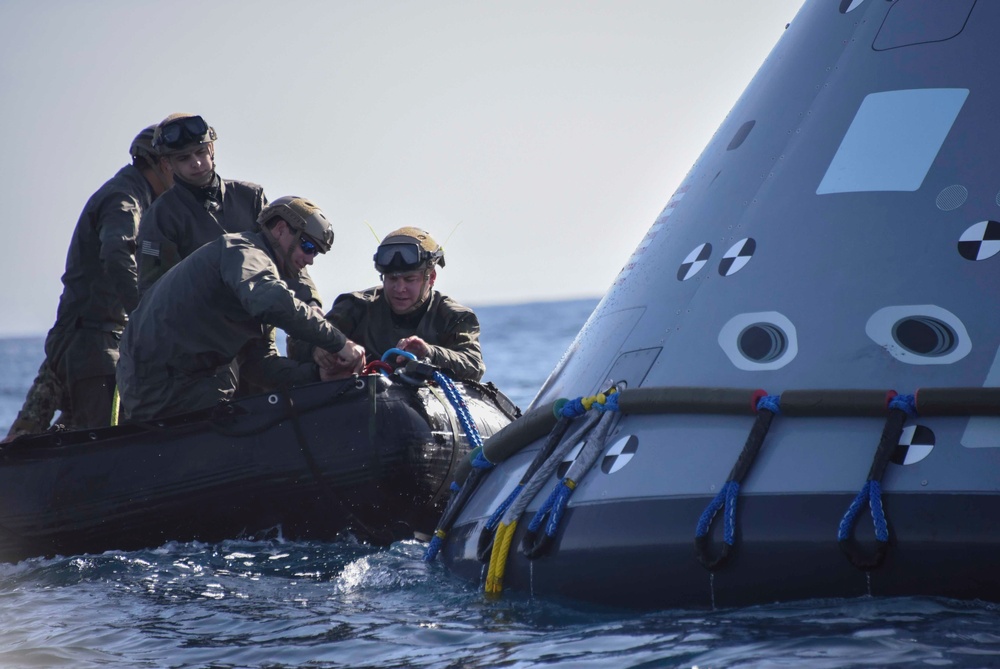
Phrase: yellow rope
(498, 559)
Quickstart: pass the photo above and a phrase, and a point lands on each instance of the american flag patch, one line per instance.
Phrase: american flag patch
(151, 248)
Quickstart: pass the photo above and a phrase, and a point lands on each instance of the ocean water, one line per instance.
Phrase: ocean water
(277, 604)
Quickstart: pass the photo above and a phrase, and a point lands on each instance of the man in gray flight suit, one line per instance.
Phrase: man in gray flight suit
(219, 306)
(99, 291)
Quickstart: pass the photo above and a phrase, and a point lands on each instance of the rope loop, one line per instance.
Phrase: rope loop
(871, 492)
(725, 498)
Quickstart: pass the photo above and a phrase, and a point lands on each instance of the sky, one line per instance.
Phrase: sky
(536, 140)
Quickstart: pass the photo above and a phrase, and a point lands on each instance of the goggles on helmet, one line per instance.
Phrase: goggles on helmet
(400, 257)
(181, 132)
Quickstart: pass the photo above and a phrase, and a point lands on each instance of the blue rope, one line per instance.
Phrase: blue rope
(494, 520)
(871, 492)
(479, 460)
(906, 404)
(573, 408)
(461, 409)
(726, 497)
(770, 402)
(561, 495)
(539, 517)
(433, 548)
(610, 404)
(878, 513)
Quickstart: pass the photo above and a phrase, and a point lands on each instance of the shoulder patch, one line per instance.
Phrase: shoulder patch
(150, 248)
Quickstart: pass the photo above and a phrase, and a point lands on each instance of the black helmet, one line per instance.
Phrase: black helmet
(302, 215)
(142, 146)
(178, 133)
(406, 250)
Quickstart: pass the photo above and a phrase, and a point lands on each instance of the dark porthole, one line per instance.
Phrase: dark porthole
(762, 342)
(925, 336)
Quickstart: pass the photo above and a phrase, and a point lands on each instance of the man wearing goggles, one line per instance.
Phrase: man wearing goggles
(405, 312)
(214, 315)
(201, 207)
(99, 291)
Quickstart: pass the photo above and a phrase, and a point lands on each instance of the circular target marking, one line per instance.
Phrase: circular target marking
(619, 454)
(568, 461)
(694, 262)
(737, 256)
(980, 241)
(915, 444)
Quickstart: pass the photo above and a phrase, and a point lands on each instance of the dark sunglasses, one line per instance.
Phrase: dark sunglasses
(398, 255)
(182, 131)
(308, 247)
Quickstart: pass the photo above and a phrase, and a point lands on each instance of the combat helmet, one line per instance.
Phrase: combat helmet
(179, 132)
(406, 250)
(301, 215)
(142, 146)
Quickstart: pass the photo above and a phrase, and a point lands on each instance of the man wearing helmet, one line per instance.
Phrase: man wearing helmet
(407, 313)
(99, 290)
(201, 207)
(216, 311)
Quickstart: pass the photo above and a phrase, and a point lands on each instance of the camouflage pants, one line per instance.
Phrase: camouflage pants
(44, 398)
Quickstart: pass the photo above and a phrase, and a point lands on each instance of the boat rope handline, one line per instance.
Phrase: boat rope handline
(454, 396)
(317, 473)
(900, 406)
(485, 547)
(768, 406)
(508, 524)
(536, 541)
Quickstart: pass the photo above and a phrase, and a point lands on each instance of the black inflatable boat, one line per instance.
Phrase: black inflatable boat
(372, 455)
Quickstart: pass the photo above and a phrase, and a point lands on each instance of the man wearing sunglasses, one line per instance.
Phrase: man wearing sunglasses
(405, 312)
(200, 207)
(99, 290)
(216, 311)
